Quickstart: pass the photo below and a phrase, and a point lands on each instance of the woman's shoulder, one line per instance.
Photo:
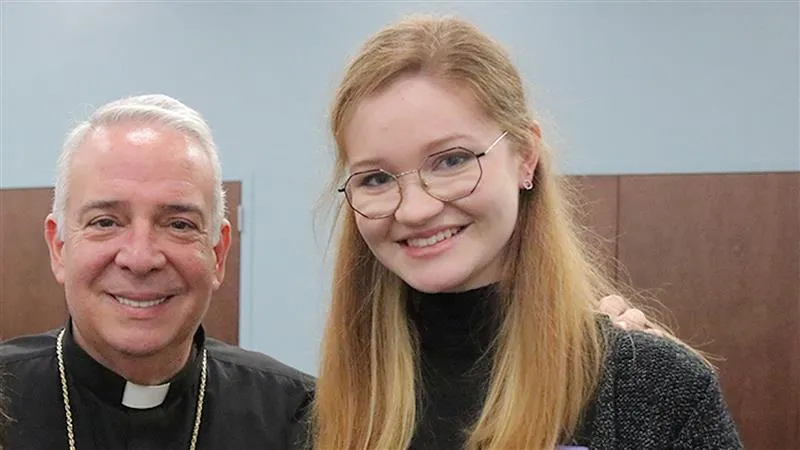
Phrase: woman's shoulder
(660, 394)
(668, 378)
(645, 358)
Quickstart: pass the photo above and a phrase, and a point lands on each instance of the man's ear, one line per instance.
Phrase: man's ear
(530, 157)
(221, 252)
(56, 247)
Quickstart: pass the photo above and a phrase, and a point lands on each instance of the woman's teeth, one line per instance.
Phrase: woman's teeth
(139, 304)
(438, 237)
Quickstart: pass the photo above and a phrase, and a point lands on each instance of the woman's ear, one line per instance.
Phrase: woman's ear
(530, 157)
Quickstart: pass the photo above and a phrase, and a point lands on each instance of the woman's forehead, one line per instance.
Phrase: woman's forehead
(415, 116)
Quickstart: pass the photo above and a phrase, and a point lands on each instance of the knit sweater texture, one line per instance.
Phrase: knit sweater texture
(653, 393)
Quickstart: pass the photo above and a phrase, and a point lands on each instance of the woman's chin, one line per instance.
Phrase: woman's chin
(433, 284)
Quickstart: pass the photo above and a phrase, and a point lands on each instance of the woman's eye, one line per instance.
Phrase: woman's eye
(376, 179)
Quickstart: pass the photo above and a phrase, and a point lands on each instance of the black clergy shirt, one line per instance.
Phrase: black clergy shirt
(251, 400)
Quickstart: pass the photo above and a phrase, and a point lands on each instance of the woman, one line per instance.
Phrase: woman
(462, 313)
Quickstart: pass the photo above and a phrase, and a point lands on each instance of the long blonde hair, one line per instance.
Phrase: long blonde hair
(548, 352)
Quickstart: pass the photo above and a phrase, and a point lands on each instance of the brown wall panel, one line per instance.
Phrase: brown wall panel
(598, 211)
(794, 416)
(722, 252)
(793, 389)
(31, 300)
(222, 320)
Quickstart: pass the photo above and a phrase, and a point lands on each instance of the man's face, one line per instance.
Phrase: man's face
(137, 261)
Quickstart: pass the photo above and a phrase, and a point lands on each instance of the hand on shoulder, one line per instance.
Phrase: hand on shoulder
(623, 315)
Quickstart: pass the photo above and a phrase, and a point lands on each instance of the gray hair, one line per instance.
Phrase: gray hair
(157, 108)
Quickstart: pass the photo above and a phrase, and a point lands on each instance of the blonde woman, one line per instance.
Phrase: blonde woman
(463, 312)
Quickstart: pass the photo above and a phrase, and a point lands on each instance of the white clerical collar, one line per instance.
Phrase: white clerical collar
(143, 397)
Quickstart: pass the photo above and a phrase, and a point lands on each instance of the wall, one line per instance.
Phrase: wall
(622, 88)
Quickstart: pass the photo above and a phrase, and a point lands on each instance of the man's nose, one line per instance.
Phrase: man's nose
(139, 252)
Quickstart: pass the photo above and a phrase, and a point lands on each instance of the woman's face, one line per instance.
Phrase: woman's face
(435, 245)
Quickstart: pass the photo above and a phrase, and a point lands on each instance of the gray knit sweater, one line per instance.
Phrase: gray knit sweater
(653, 393)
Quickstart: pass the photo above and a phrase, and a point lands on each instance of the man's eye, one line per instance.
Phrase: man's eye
(103, 222)
(182, 225)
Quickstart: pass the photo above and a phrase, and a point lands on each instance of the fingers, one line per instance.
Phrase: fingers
(634, 319)
(656, 332)
(626, 317)
(613, 305)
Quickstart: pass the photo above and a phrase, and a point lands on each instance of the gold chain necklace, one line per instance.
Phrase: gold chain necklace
(68, 411)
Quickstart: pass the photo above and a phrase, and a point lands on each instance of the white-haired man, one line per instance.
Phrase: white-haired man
(138, 238)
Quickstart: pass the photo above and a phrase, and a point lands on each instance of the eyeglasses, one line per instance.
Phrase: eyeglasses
(448, 175)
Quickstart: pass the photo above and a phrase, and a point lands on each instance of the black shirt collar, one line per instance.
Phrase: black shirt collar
(109, 386)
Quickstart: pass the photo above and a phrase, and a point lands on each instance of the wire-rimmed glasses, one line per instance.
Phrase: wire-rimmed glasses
(447, 175)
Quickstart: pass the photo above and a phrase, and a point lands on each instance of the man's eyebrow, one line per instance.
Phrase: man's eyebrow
(182, 208)
(100, 204)
(170, 208)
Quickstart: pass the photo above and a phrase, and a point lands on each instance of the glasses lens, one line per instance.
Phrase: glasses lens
(373, 194)
(451, 174)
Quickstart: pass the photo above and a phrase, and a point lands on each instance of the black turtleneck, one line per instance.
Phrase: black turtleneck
(455, 333)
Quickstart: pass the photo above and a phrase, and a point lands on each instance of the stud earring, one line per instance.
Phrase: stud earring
(527, 185)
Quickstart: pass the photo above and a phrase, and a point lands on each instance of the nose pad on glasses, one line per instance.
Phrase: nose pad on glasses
(417, 205)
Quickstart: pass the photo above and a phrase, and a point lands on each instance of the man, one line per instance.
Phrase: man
(138, 238)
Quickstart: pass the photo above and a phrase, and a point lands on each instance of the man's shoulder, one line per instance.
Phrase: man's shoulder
(280, 394)
(28, 347)
(255, 362)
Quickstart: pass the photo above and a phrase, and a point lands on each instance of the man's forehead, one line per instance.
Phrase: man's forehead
(128, 142)
(140, 160)
(113, 136)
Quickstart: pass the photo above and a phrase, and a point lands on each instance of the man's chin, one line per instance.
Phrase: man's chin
(138, 345)
(140, 351)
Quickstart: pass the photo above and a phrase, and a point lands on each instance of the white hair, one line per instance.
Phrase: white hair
(157, 108)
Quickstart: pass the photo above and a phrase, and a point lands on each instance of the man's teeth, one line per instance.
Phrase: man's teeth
(438, 237)
(139, 304)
